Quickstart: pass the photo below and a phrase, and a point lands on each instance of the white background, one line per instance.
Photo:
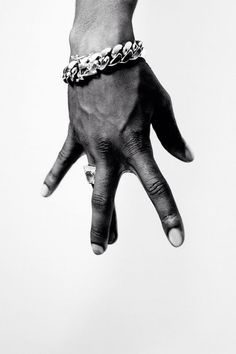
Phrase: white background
(142, 296)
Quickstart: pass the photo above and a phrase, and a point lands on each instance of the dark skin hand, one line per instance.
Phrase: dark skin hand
(110, 120)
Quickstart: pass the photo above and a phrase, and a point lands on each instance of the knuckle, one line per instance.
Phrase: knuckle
(104, 145)
(135, 143)
(170, 219)
(97, 235)
(156, 187)
(99, 201)
(62, 156)
(52, 177)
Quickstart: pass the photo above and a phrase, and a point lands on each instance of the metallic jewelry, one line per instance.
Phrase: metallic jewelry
(90, 173)
(81, 67)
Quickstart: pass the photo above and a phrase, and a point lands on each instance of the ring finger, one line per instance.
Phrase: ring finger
(161, 196)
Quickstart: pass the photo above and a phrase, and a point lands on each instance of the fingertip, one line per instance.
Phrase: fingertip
(176, 237)
(97, 249)
(184, 154)
(113, 238)
(188, 154)
(45, 191)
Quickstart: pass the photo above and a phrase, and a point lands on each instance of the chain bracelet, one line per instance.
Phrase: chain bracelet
(81, 67)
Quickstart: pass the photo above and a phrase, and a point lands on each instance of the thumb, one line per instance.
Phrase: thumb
(166, 129)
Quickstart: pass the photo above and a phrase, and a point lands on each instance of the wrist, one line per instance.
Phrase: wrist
(101, 24)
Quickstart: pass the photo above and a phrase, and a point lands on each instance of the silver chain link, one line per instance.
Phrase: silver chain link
(81, 67)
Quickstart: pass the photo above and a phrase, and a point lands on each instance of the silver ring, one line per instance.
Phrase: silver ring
(90, 173)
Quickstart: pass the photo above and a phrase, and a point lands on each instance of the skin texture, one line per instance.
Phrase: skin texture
(110, 120)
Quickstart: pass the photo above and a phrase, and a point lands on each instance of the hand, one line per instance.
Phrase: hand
(110, 119)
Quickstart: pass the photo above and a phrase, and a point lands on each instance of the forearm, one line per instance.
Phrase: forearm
(101, 23)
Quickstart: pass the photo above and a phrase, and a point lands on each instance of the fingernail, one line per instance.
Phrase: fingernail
(175, 237)
(97, 249)
(44, 190)
(188, 154)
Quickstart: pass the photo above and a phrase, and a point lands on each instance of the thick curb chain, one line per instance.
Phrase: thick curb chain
(81, 67)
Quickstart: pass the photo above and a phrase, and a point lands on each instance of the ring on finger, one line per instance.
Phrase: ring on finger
(90, 171)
